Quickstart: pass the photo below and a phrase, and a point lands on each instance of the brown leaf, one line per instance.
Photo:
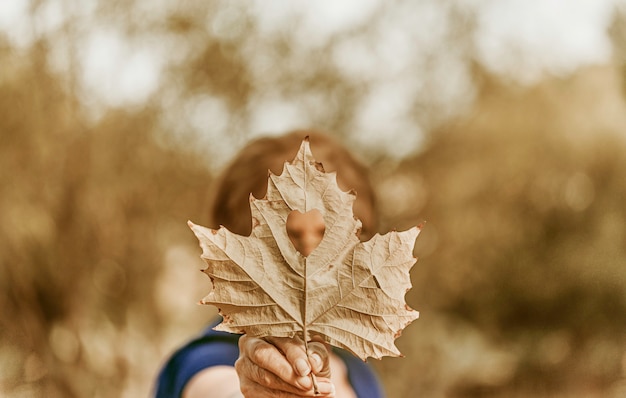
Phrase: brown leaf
(349, 292)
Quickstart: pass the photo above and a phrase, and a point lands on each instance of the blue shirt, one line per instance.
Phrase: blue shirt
(213, 348)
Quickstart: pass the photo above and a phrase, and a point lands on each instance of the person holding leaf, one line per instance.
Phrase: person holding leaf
(220, 364)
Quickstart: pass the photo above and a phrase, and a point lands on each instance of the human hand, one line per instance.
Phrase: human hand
(281, 367)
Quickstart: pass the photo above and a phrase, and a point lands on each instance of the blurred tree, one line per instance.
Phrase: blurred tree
(234, 70)
(525, 240)
(617, 32)
(87, 215)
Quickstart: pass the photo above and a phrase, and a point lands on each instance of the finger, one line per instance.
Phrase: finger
(255, 378)
(250, 388)
(319, 359)
(270, 358)
(295, 352)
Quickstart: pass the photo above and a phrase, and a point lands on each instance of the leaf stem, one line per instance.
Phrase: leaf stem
(316, 390)
(305, 332)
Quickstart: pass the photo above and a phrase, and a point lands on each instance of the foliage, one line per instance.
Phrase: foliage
(523, 249)
(88, 212)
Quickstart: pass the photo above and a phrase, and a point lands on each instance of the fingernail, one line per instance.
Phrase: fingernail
(325, 387)
(317, 361)
(302, 367)
(304, 382)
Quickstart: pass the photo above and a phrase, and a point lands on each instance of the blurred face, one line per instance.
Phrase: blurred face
(305, 230)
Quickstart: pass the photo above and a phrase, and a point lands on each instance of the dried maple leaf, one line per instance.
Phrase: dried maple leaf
(350, 293)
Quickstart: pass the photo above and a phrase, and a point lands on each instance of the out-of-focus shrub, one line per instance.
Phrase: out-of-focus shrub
(88, 212)
(522, 280)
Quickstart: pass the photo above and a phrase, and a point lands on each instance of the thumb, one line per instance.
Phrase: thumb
(319, 358)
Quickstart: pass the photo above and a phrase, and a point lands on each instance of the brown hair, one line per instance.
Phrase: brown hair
(247, 173)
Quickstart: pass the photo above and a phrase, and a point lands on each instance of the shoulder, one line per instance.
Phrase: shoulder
(361, 376)
(210, 348)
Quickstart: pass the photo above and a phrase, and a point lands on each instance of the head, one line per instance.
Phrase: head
(247, 173)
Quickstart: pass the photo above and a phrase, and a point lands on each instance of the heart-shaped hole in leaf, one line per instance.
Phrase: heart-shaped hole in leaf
(305, 230)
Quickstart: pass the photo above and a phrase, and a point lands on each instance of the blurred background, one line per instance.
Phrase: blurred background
(500, 123)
